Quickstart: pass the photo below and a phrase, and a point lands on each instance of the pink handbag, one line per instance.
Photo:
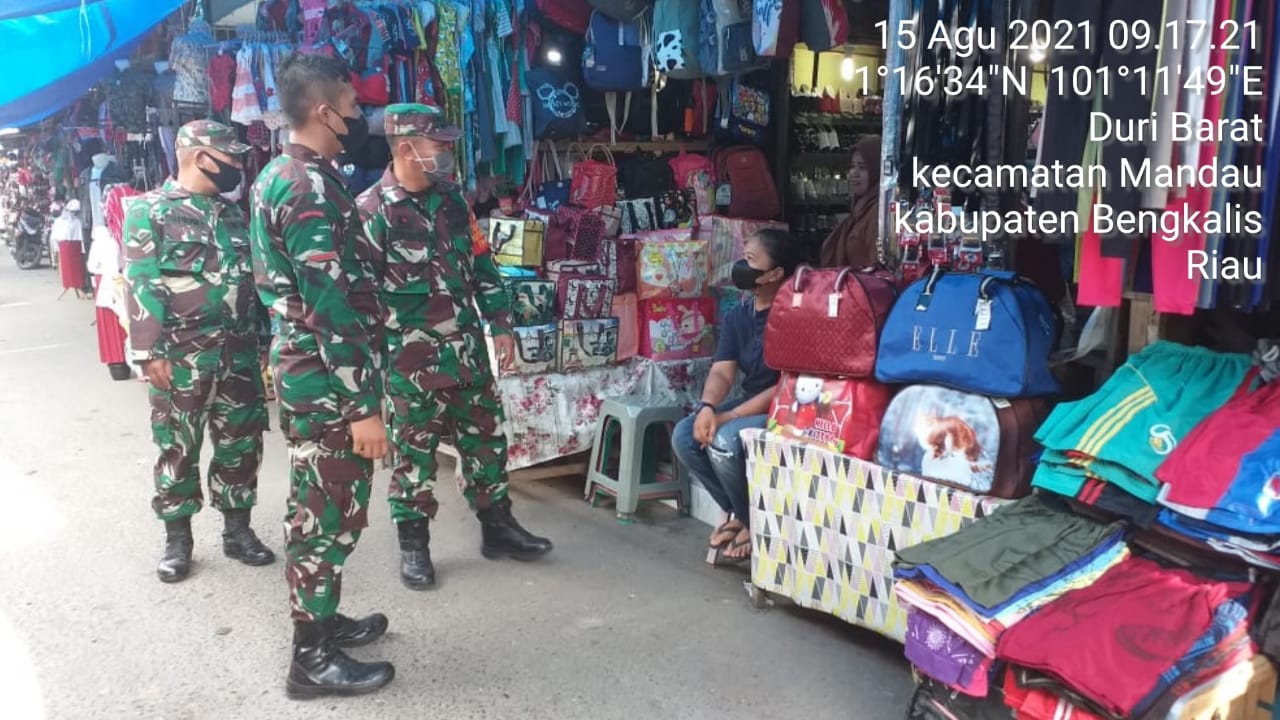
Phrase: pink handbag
(627, 309)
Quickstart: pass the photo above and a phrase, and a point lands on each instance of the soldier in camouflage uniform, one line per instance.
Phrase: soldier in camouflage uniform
(439, 378)
(316, 271)
(194, 331)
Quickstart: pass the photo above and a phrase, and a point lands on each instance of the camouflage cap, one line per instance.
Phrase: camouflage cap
(415, 119)
(210, 134)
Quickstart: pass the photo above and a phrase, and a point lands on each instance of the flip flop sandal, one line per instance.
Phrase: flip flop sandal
(723, 527)
(722, 559)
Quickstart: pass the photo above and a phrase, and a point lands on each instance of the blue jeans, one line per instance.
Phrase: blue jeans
(722, 466)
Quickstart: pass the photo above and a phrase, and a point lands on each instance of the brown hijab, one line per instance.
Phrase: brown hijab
(853, 242)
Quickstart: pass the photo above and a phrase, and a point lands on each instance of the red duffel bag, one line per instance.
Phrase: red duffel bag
(828, 321)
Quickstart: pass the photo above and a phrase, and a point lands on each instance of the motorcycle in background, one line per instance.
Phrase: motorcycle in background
(29, 238)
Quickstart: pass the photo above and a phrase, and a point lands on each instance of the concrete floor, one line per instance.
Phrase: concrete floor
(621, 621)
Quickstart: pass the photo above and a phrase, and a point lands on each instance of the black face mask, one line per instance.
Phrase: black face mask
(356, 135)
(227, 178)
(745, 277)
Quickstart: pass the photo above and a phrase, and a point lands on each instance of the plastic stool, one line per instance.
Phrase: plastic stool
(638, 470)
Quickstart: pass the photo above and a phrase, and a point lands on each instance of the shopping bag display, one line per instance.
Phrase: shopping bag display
(585, 297)
(588, 343)
(533, 302)
(617, 260)
(537, 349)
(677, 329)
(671, 264)
(840, 414)
(988, 333)
(517, 242)
(828, 321)
(978, 443)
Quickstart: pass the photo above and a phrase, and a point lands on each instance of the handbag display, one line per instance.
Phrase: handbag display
(588, 343)
(557, 269)
(550, 192)
(584, 297)
(595, 183)
(989, 333)
(977, 443)
(676, 208)
(517, 242)
(617, 258)
(638, 215)
(670, 263)
(583, 231)
(828, 321)
(537, 349)
(840, 414)
(533, 302)
(677, 329)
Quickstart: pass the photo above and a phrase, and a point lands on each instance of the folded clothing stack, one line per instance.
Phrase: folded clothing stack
(963, 591)
(1134, 640)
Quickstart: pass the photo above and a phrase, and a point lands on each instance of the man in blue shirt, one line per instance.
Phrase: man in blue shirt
(707, 442)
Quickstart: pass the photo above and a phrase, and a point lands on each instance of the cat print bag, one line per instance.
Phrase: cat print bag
(840, 414)
(537, 349)
(533, 302)
(588, 344)
(981, 444)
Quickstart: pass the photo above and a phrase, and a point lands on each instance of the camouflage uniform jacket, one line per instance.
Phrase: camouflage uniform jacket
(434, 278)
(317, 271)
(190, 280)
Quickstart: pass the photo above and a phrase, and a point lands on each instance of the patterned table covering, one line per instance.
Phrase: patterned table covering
(554, 415)
(825, 527)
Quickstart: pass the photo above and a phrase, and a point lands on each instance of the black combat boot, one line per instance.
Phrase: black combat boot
(416, 570)
(504, 536)
(320, 668)
(352, 632)
(239, 542)
(175, 564)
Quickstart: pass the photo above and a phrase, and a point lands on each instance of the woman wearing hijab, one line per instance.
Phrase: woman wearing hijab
(853, 242)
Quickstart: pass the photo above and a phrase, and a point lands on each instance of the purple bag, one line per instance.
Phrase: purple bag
(585, 297)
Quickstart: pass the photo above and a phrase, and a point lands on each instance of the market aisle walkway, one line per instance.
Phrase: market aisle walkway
(620, 622)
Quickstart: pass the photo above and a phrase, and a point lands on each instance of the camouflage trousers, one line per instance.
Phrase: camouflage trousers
(472, 419)
(229, 400)
(328, 507)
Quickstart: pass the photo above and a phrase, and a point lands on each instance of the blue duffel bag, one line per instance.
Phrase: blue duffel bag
(988, 333)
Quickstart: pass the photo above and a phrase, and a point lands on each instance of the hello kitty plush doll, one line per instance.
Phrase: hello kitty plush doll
(809, 395)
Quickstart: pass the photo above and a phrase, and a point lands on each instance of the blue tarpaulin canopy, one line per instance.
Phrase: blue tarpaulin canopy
(53, 51)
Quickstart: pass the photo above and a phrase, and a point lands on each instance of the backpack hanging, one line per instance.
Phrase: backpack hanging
(616, 55)
(745, 111)
(725, 45)
(743, 172)
(676, 38)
